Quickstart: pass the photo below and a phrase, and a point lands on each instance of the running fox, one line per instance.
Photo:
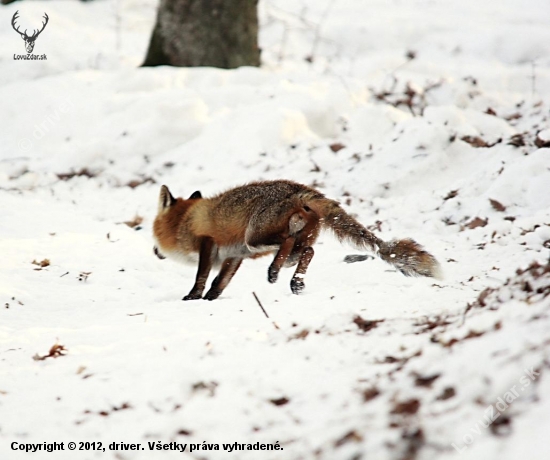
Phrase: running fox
(277, 217)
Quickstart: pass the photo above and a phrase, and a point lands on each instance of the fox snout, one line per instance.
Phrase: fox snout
(157, 253)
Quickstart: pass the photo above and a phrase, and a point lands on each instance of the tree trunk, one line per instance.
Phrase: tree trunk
(217, 33)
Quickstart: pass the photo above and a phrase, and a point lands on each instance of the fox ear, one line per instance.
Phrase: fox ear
(165, 198)
(196, 195)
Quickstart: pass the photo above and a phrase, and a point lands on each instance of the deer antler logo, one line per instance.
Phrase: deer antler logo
(29, 41)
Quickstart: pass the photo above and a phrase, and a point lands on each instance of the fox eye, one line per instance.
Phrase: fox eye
(196, 195)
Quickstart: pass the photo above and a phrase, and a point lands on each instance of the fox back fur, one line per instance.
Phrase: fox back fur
(280, 218)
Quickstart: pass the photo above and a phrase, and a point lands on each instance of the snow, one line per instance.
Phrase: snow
(87, 139)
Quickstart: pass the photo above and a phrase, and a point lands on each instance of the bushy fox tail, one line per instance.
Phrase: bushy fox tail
(405, 255)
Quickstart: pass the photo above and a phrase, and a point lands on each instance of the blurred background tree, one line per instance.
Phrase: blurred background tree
(216, 33)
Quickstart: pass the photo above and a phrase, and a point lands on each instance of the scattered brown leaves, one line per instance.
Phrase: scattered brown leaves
(531, 281)
(56, 351)
(106, 413)
(83, 172)
(449, 343)
(429, 323)
(414, 99)
(535, 269)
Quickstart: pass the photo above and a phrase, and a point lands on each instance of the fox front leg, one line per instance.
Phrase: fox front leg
(229, 268)
(205, 265)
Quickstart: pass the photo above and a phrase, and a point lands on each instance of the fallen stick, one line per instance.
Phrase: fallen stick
(260, 304)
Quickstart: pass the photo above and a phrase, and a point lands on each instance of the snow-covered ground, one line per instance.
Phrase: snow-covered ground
(427, 118)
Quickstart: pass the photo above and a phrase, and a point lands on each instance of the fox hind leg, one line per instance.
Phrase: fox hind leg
(280, 258)
(303, 252)
(302, 229)
(297, 282)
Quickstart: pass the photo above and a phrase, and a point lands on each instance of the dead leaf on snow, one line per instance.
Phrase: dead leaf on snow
(351, 436)
(56, 351)
(83, 172)
(279, 401)
(370, 393)
(475, 141)
(408, 407)
(299, 335)
(336, 147)
(517, 140)
(43, 263)
(137, 182)
(366, 324)
(477, 222)
(425, 380)
(478, 142)
(497, 205)
(451, 194)
(448, 392)
(137, 220)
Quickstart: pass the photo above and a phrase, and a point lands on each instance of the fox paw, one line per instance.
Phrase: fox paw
(297, 285)
(192, 296)
(272, 275)
(211, 295)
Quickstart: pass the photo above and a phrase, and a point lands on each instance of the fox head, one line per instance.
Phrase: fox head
(169, 210)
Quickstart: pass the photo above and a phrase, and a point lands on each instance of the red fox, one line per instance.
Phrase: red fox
(277, 217)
